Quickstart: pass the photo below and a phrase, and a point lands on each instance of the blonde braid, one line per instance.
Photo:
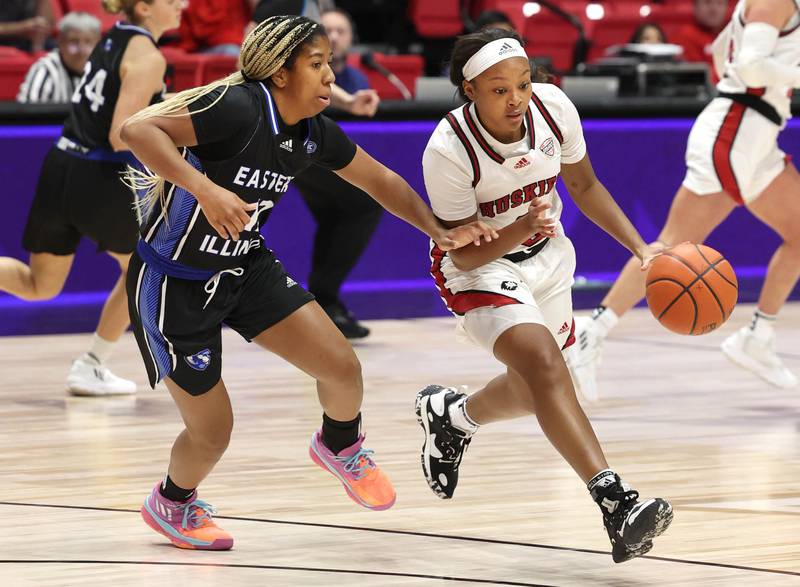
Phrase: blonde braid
(264, 51)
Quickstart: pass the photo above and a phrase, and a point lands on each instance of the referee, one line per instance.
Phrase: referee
(52, 79)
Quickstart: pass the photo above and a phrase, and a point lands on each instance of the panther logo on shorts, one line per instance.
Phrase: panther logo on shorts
(199, 361)
(509, 285)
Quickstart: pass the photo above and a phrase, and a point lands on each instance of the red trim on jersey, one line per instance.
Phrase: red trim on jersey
(571, 337)
(547, 118)
(473, 158)
(531, 130)
(437, 255)
(780, 33)
(757, 91)
(723, 146)
(462, 302)
(789, 32)
(487, 148)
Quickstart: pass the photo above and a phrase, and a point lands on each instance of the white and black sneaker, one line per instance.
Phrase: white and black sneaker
(89, 377)
(631, 524)
(444, 444)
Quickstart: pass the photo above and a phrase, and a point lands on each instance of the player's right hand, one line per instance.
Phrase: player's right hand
(538, 220)
(226, 212)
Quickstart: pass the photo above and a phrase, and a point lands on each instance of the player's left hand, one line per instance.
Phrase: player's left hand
(650, 252)
(461, 236)
(365, 103)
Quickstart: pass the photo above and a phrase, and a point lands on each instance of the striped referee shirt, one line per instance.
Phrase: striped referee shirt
(48, 82)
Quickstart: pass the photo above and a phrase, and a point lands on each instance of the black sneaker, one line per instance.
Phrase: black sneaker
(345, 321)
(631, 524)
(444, 444)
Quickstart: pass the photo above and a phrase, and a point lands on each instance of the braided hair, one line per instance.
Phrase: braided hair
(276, 42)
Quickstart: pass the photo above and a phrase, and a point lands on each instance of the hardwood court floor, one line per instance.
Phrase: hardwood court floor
(675, 419)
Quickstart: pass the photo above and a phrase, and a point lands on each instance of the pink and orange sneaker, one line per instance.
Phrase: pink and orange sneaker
(187, 524)
(363, 480)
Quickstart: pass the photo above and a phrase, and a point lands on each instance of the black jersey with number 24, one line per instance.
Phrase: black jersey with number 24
(95, 98)
(245, 147)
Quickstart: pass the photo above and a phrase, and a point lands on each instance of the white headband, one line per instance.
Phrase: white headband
(491, 54)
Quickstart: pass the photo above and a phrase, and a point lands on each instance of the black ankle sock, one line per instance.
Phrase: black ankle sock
(339, 435)
(172, 492)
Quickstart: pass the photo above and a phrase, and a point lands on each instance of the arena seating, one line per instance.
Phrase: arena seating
(436, 20)
(14, 65)
(92, 7)
(406, 67)
(546, 33)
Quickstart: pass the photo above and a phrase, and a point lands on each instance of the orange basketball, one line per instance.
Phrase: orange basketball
(691, 289)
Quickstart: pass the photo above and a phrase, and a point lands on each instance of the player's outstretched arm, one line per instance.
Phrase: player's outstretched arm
(597, 205)
(393, 193)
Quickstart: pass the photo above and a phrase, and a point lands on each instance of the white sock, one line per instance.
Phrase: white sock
(605, 319)
(100, 350)
(460, 418)
(763, 324)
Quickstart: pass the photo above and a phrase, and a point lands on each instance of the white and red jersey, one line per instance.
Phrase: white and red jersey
(467, 171)
(787, 51)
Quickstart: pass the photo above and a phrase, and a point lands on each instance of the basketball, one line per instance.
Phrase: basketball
(691, 289)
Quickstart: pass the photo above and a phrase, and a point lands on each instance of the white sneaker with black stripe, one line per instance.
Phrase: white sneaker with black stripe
(90, 378)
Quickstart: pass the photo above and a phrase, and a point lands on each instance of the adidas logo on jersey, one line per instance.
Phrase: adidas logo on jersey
(287, 145)
(522, 163)
(290, 282)
(564, 328)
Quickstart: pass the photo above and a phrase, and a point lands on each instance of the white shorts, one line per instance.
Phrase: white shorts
(489, 300)
(732, 148)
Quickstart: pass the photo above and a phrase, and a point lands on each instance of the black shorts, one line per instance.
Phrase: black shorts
(181, 340)
(79, 197)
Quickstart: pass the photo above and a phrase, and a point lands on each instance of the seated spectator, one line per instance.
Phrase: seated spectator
(493, 19)
(25, 24)
(53, 78)
(362, 102)
(696, 38)
(346, 217)
(648, 33)
(339, 27)
(215, 26)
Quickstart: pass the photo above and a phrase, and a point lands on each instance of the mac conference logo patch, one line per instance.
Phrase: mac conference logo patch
(547, 147)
